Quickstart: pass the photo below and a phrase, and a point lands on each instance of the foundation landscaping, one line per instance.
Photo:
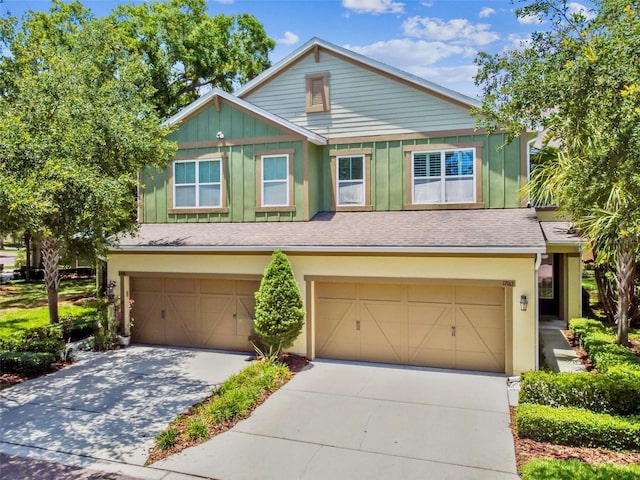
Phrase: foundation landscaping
(587, 425)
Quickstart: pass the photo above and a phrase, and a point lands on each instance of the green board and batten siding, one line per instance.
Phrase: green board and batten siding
(240, 172)
(500, 170)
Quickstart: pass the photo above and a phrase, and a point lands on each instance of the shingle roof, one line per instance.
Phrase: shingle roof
(560, 233)
(492, 230)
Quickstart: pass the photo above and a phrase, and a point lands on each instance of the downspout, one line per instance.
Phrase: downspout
(536, 312)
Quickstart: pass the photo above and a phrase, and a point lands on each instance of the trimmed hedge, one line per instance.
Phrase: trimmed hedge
(47, 339)
(544, 469)
(578, 427)
(599, 342)
(26, 363)
(616, 392)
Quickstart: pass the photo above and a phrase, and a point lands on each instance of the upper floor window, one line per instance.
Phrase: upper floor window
(350, 188)
(197, 183)
(317, 92)
(275, 180)
(446, 176)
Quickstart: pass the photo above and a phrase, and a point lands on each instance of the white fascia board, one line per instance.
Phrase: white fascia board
(331, 249)
(401, 74)
(208, 97)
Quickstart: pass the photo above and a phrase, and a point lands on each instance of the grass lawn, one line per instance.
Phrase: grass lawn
(24, 305)
(540, 469)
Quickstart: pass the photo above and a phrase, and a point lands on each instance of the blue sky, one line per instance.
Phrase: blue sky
(435, 39)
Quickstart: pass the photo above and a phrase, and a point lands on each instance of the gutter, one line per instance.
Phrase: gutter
(536, 309)
(330, 249)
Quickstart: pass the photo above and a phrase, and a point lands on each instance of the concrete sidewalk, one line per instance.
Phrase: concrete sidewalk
(558, 353)
(347, 420)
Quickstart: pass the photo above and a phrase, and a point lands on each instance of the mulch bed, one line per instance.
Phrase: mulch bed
(294, 363)
(527, 449)
(10, 379)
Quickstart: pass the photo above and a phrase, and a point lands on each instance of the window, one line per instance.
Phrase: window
(350, 180)
(197, 183)
(317, 92)
(545, 277)
(275, 180)
(446, 176)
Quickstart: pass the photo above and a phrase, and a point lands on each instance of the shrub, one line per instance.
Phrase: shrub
(616, 392)
(279, 312)
(197, 429)
(75, 329)
(46, 339)
(577, 427)
(26, 363)
(544, 469)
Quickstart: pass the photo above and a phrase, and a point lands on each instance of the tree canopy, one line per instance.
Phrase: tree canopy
(579, 80)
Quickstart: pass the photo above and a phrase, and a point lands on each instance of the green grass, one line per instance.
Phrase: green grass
(24, 305)
(21, 294)
(24, 319)
(544, 469)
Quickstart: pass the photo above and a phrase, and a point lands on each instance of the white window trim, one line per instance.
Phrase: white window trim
(443, 175)
(197, 183)
(286, 179)
(362, 181)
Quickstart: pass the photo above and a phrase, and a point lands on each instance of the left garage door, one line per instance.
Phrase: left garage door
(194, 312)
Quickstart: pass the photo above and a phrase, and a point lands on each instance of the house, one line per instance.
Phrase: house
(403, 223)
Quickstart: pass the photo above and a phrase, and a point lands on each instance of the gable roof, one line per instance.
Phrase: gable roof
(211, 96)
(400, 75)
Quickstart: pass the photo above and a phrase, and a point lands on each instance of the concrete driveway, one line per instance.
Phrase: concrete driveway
(109, 406)
(345, 420)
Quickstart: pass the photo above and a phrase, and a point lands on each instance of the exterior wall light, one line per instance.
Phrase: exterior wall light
(524, 303)
(220, 135)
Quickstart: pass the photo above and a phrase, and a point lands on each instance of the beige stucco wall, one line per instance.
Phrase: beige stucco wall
(520, 325)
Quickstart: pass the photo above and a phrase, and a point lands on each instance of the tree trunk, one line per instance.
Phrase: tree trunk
(27, 242)
(50, 258)
(625, 276)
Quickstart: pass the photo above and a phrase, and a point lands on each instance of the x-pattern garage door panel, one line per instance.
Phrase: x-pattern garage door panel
(443, 326)
(210, 313)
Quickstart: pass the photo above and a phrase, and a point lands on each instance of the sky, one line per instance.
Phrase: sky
(434, 39)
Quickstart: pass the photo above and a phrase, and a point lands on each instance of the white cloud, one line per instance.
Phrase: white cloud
(529, 19)
(228, 2)
(375, 7)
(427, 4)
(411, 55)
(575, 7)
(288, 39)
(457, 30)
(486, 11)
(517, 43)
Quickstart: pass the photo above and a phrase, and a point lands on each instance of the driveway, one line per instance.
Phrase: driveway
(364, 421)
(110, 405)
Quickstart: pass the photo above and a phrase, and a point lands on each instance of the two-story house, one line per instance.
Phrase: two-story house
(403, 223)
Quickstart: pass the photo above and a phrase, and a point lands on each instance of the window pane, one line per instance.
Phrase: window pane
(274, 168)
(459, 190)
(185, 196)
(426, 190)
(426, 164)
(185, 172)
(350, 168)
(351, 193)
(210, 196)
(209, 171)
(275, 193)
(459, 163)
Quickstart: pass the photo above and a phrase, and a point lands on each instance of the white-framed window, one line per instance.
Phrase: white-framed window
(444, 176)
(275, 180)
(197, 183)
(350, 177)
(545, 277)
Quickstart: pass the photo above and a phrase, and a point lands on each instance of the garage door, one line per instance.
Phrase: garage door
(193, 312)
(429, 325)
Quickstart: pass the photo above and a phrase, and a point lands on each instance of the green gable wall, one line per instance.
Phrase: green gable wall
(240, 168)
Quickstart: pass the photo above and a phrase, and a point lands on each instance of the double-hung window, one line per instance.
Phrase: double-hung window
(350, 175)
(197, 183)
(446, 176)
(275, 180)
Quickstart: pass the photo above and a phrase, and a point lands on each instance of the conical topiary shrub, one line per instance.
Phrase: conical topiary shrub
(279, 312)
